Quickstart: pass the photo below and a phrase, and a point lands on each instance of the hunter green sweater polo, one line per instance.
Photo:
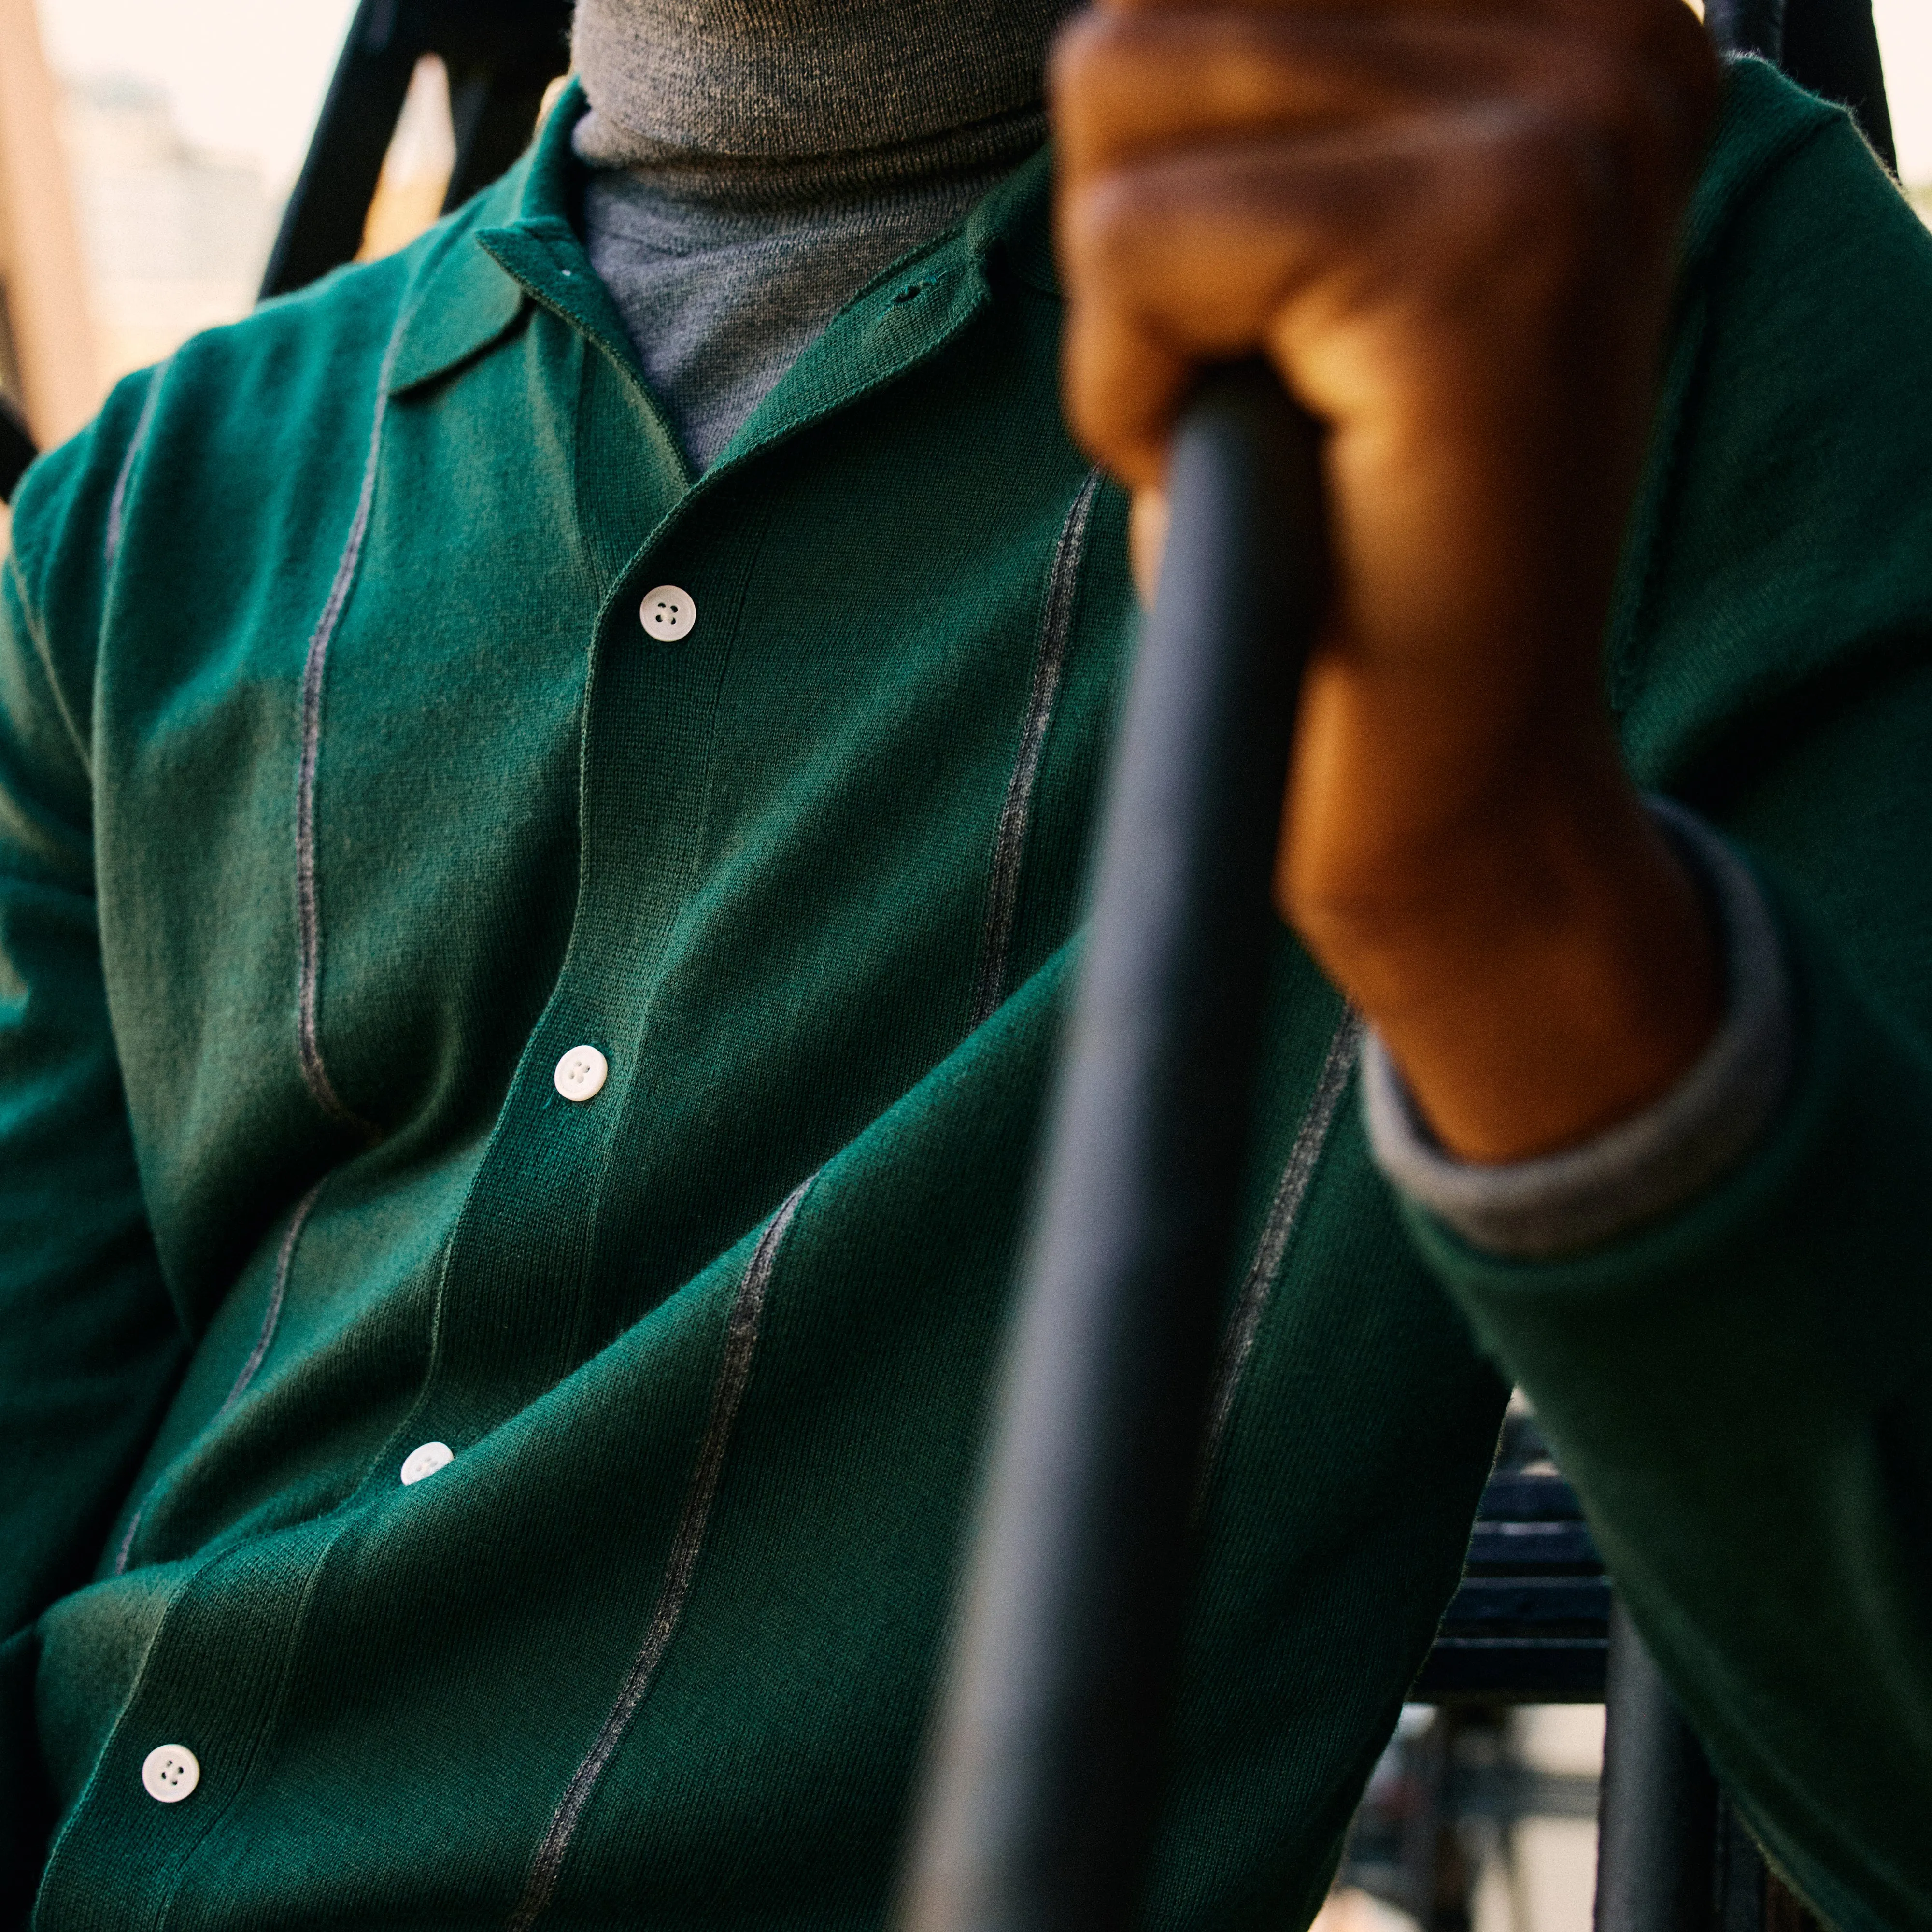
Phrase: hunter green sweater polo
(518, 1088)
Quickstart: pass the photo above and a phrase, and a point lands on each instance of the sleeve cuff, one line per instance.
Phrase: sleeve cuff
(1656, 1160)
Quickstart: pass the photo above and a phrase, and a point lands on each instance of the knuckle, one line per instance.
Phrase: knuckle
(1644, 107)
(1098, 90)
(1078, 49)
(1565, 172)
(1103, 227)
(1091, 58)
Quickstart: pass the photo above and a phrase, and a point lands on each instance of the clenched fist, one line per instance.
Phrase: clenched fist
(1451, 226)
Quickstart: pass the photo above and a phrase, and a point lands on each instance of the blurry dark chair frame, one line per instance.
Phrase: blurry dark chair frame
(1535, 1620)
(16, 449)
(500, 55)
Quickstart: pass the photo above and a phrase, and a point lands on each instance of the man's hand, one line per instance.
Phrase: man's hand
(1451, 224)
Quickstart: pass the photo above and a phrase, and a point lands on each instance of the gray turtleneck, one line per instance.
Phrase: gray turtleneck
(756, 163)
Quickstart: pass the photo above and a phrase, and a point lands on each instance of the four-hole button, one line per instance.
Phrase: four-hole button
(668, 613)
(425, 1459)
(169, 1772)
(580, 1074)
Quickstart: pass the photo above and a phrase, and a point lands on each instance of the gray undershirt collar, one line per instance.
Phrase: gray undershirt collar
(720, 300)
(756, 163)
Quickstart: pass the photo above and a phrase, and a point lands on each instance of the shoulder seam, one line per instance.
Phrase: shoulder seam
(43, 651)
(117, 504)
(1706, 229)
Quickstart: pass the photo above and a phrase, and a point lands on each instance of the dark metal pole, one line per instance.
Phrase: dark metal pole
(1747, 26)
(322, 227)
(16, 450)
(1657, 1826)
(1832, 47)
(500, 54)
(1829, 45)
(1046, 1772)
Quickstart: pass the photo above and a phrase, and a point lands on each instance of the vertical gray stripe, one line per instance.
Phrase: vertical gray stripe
(1056, 624)
(271, 1318)
(121, 1555)
(308, 920)
(1284, 1213)
(278, 1290)
(741, 1335)
(117, 503)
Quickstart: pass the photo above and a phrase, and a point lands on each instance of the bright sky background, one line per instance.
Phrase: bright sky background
(247, 76)
(1905, 41)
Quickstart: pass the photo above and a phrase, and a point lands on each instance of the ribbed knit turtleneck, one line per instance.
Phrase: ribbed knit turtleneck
(800, 81)
(759, 161)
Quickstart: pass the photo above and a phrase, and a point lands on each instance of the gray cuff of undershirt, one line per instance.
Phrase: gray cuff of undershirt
(1645, 1166)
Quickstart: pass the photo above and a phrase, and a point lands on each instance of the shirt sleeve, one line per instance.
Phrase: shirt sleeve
(1738, 1380)
(90, 1347)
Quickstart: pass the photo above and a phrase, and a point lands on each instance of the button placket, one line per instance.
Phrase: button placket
(498, 1341)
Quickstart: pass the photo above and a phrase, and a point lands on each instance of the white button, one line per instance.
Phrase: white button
(668, 613)
(580, 1074)
(169, 1772)
(427, 1460)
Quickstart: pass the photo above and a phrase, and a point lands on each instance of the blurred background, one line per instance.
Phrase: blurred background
(146, 148)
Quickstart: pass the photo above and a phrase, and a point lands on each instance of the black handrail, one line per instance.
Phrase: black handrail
(1047, 1769)
(1657, 1824)
(1832, 47)
(1530, 1622)
(16, 450)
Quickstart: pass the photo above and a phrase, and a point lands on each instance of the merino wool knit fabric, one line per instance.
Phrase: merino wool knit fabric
(758, 164)
(859, 87)
(344, 796)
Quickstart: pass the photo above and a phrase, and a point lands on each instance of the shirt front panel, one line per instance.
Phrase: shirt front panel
(713, 1440)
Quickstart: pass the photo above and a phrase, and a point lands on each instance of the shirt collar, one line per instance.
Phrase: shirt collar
(515, 243)
(462, 298)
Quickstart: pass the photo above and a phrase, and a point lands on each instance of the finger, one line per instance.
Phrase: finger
(1121, 383)
(1446, 228)
(1147, 542)
(1122, 87)
(1128, 86)
(1629, 21)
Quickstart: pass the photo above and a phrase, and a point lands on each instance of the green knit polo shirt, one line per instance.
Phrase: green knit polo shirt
(360, 774)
